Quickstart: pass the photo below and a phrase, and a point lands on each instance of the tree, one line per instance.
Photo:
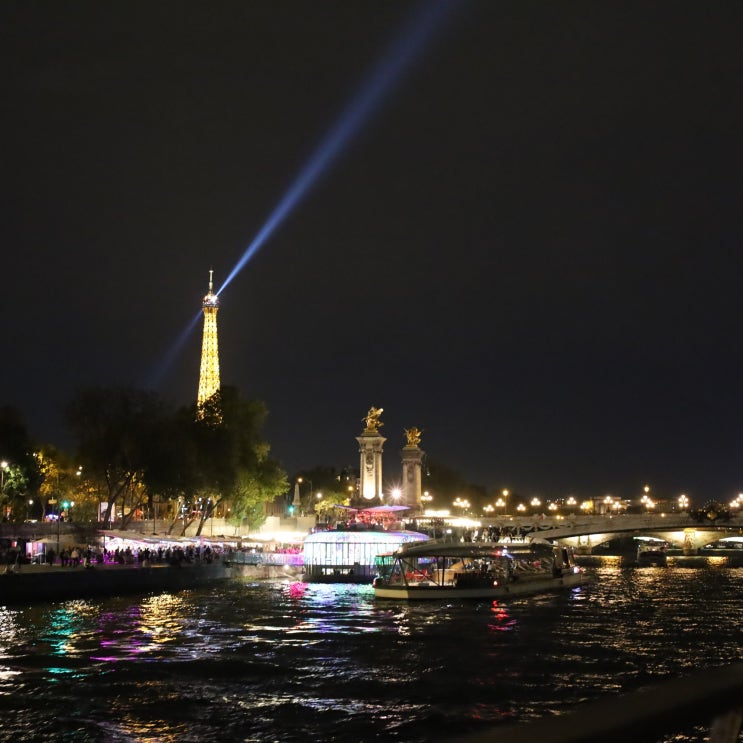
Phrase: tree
(445, 484)
(21, 475)
(253, 490)
(228, 459)
(118, 432)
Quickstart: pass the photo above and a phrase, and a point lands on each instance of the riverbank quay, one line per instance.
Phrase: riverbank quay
(709, 698)
(31, 584)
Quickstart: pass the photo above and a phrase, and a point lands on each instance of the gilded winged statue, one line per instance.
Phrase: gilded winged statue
(413, 435)
(372, 419)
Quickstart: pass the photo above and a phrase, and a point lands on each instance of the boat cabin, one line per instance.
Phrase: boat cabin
(473, 565)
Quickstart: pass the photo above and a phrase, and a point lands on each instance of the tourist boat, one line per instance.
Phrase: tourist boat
(652, 554)
(478, 570)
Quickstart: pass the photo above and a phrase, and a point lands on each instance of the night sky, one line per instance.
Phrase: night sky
(531, 249)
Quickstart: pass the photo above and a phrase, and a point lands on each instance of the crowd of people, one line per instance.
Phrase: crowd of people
(88, 556)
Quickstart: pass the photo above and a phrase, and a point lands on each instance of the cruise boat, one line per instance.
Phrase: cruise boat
(652, 553)
(477, 570)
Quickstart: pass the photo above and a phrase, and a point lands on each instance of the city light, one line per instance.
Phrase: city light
(462, 503)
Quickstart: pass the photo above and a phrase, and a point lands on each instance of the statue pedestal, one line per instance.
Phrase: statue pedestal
(370, 467)
(412, 457)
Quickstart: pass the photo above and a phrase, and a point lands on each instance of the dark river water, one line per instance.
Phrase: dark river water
(288, 661)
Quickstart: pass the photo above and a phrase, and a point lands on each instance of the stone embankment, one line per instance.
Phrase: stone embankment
(30, 584)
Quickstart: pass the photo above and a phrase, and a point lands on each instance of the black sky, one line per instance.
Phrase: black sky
(531, 250)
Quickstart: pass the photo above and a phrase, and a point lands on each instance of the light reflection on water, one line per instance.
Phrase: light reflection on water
(291, 661)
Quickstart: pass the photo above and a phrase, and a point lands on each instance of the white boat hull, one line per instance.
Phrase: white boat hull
(514, 588)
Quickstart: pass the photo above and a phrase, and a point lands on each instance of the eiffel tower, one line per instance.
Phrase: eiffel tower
(209, 373)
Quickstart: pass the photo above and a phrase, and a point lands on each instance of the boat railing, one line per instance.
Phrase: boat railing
(711, 699)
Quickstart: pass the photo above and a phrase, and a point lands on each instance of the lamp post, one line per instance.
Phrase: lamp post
(3, 467)
(301, 480)
(505, 495)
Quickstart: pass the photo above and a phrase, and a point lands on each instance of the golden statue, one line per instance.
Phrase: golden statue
(372, 419)
(413, 435)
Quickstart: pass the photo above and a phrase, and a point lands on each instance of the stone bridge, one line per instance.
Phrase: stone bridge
(586, 532)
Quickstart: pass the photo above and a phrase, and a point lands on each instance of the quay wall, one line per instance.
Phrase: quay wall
(39, 583)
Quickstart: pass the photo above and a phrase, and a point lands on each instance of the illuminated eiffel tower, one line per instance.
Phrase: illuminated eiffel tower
(209, 373)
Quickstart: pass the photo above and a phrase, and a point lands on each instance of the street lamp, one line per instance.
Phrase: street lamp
(301, 479)
(3, 467)
(462, 503)
(505, 495)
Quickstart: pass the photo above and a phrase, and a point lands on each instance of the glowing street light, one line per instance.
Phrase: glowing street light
(683, 502)
(462, 503)
(505, 493)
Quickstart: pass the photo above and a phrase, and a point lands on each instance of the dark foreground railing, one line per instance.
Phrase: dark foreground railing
(711, 699)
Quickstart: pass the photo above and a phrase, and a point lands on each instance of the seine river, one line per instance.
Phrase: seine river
(288, 661)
